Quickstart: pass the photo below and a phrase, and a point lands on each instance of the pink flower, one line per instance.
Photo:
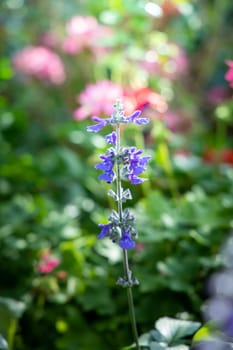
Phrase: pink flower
(81, 25)
(174, 64)
(40, 62)
(217, 94)
(84, 33)
(177, 121)
(98, 99)
(145, 97)
(47, 262)
(49, 39)
(229, 73)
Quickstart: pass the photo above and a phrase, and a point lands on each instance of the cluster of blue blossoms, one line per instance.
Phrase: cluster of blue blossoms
(120, 163)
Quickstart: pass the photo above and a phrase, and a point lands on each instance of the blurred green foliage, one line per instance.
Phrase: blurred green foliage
(51, 197)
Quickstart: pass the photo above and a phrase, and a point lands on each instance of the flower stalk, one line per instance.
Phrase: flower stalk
(127, 271)
(117, 164)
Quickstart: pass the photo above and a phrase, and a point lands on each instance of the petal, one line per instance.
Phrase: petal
(104, 230)
(95, 128)
(111, 138)
(133, 116)
(108, 177)
(126, 242)
(135, 180)
(142, 121)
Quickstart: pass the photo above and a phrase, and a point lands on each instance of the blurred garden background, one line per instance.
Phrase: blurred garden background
(61, 63)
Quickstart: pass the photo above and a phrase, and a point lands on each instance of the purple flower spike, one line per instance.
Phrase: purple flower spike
(105, 230)
(126, 241)
(99, 126)
(111, 138)
(134, 164)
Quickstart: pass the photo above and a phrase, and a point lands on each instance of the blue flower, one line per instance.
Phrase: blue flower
(99, 126)
(117, 118)
(111, 138)
(105, 230)
(126, 241)
(135, 180)
(134, 164)
(133, 118)
(107, 166)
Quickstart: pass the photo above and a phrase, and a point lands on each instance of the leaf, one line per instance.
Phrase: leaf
(144, 340)
(156, 335)
(16, 308)
(156, 346)
(174, 330)
(3, 343)
(179, 347)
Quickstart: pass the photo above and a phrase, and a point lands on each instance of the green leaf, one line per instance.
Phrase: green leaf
(156, 346)
(174, 330)
(15, 308)
(144, 340)
(157, 336)
(3, 343)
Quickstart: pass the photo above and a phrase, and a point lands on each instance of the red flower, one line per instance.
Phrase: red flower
(145, 97)
(170, 8)
(219, 156)
(227, 156)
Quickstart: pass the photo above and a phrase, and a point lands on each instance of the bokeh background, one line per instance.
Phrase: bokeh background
(61, 63)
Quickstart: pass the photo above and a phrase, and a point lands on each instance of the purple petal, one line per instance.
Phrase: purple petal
(137, 170)
(105, 229)
(135, 180)
(108, 177)
(95, 128)
(97, 119)
(126, 241)
(133, 116)
(111, 138)
(105, 166)
(100, 124)
(141, 121)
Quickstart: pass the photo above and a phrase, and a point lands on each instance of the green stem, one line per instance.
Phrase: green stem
(220, 133)
(11, 333)
(165, 160)
(125, 253)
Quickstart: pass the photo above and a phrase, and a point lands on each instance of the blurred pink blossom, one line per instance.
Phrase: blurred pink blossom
(145, 97)
(47, 262)
(172, 66)
(98, 99)
(180, 61)
(40, 62)
(217, 94)
(85, 32)
(229, 73)
(49, 39)
(177, 121)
